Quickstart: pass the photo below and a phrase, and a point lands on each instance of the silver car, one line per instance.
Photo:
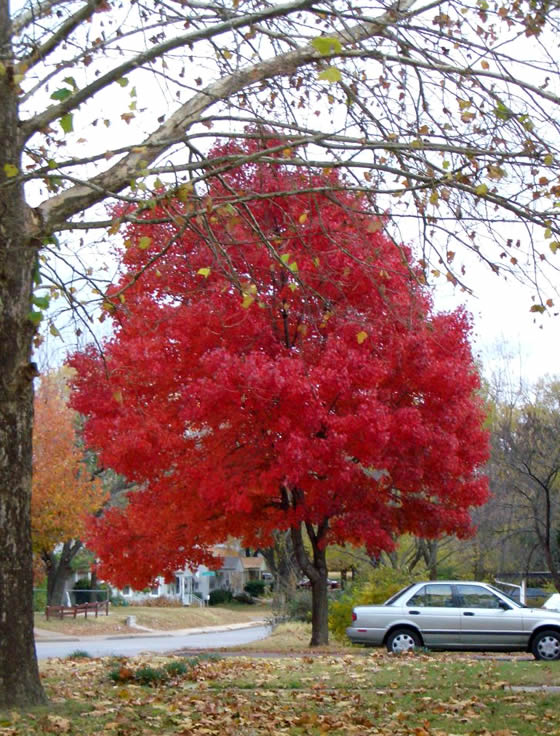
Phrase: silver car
(457, 615)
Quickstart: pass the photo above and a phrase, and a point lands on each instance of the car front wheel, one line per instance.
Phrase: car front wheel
(546, 645)
(403, 640)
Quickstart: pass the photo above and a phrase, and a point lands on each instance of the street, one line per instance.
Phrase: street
(131, 645)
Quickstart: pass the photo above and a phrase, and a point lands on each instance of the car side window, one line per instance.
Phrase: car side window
(474, 596)
(433, 595)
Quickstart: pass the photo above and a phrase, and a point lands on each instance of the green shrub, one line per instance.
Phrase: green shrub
(381, 585)
(84, 594)
(219, 596)
(79, 654)
(119, 600)
(176, 668)
(39, 599)
(121, 672)
(150, 675)
(255, 588)
(299, 607)
(244, 598)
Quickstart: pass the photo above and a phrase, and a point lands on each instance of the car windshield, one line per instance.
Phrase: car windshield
(510, 599)
(394, 597)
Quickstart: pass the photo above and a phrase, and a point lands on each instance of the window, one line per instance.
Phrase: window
(433, 595)
(474, 596)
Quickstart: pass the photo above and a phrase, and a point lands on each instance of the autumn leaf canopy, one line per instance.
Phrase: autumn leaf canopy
(298, 375)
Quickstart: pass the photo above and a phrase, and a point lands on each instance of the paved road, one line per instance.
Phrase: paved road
(129, 646)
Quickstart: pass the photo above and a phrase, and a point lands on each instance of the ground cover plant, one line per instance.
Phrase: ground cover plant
(361, 693)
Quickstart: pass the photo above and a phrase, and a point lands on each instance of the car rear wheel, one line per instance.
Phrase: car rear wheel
(546, 645)
(403, 640)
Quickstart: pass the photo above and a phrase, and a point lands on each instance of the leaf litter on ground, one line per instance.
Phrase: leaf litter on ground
(375, 693)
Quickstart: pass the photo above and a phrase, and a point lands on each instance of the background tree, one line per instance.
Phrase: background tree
(525, 462)
(281, 561)
(445, 112)
(317, 392)
(64, 491)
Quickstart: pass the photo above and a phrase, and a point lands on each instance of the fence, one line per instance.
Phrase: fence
(72, 597)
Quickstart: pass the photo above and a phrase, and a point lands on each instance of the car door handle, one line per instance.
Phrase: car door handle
(414, 613)
(468, 613)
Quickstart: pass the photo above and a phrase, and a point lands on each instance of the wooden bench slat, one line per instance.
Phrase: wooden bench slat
(93, 607)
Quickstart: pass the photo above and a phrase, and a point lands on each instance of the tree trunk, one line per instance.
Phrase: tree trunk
(58, 571)
(552, 564)
(19, 675)
(320, 608)
(316, 571)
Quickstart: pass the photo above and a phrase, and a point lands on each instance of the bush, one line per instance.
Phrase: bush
(84, 594)
(381, 585)
(255, 588)
(121, 672)
(176, 668)
(299, 607)
(39, 599)
(219, 596)
(119, 600)
(244, 598)
(150, 675)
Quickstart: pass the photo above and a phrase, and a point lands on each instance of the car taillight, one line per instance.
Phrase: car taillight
(354, 617)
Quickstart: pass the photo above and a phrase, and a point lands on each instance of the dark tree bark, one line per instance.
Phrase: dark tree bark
(317, 572)
(19, 685)
(59, 569)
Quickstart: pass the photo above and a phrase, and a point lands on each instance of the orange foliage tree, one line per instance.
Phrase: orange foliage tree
(64, 491)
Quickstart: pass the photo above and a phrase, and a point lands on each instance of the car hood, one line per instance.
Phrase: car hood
(542, 613)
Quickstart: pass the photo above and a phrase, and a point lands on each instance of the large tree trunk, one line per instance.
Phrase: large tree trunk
(316, 571)
(19, 674)
(58, 569)
(320, 607)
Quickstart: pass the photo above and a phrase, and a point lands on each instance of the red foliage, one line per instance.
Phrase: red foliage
(320, 385)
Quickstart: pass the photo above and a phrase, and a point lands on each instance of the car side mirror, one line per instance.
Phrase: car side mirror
(504, 606)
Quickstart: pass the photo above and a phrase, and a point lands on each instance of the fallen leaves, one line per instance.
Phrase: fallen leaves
(374, 693)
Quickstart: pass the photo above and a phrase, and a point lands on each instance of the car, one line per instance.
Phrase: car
(553, 603)
(305, 584)
(452, 614)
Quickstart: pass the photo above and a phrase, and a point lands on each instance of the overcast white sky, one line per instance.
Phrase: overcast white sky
(502, 318)
(500, 308)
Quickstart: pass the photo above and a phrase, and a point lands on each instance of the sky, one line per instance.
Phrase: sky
(500, 308)
(504, 326)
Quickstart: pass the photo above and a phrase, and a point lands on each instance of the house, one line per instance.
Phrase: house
(254, 568)
(194, 586)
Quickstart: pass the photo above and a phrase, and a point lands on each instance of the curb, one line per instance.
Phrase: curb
(44, 635)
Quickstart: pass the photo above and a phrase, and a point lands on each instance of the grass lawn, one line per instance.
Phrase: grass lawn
(369, 692)
(160, 619)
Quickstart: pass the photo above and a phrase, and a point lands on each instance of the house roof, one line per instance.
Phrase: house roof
(253, 563)
(219, 551)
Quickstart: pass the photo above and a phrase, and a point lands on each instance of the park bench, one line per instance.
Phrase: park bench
(95, 607)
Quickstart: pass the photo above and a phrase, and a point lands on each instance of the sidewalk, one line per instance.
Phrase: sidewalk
(137, 632)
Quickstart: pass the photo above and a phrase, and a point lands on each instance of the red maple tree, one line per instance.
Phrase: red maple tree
(280, 366)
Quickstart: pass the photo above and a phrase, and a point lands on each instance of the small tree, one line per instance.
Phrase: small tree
(64, 492)
(316, 391)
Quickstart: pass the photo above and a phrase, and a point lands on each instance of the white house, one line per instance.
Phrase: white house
(193, 587)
